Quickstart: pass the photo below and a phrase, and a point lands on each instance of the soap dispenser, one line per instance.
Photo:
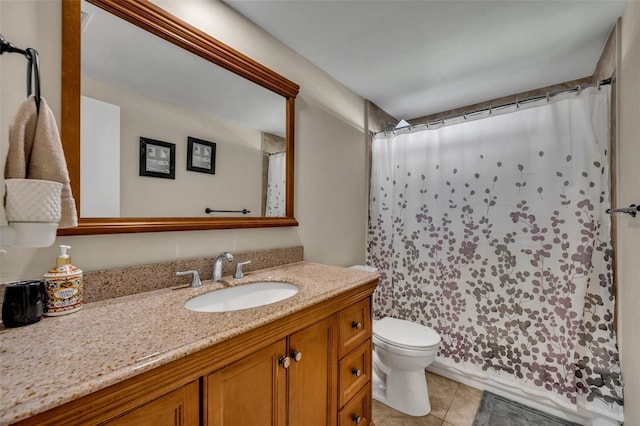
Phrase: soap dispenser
(63, 286)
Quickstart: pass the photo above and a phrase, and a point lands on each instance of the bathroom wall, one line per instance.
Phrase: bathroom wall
(331, 187)
(237, 183)
(628, 228)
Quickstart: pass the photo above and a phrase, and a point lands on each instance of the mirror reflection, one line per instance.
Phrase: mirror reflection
(165, 133)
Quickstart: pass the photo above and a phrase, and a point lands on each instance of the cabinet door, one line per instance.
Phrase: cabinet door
(313, 379)
(178, 408)
(251, 391)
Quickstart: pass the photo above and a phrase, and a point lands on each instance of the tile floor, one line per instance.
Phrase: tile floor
(452, 404)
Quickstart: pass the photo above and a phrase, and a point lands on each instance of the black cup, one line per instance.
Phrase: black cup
(23, 303)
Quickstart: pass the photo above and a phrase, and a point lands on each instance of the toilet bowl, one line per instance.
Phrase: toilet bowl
(401, 352)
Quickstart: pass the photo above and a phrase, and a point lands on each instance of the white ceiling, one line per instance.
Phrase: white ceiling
(414, 58)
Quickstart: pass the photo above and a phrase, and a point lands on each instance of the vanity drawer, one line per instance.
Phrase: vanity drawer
(358, 410)
(355, 326)
(355, 372)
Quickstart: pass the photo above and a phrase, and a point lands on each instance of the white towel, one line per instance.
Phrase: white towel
(35, 152)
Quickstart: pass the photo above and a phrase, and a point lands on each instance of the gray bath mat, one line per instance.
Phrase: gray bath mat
(495, 410)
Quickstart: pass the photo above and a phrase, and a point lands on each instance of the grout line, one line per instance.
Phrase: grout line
(451, 402)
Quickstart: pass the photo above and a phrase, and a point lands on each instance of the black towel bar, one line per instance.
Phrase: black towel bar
(631, 210)
(33, 66)
(243, 211)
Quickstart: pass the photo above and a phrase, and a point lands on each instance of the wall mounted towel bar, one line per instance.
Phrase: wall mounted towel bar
(243, 211)
(33, 66)
(631, 210)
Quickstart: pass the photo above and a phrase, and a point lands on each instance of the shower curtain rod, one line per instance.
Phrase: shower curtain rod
(491, 108)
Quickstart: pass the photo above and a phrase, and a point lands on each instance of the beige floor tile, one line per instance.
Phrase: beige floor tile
(387, 416)
(441, 393)
(380, 412)
(464, 406)
(447, 424)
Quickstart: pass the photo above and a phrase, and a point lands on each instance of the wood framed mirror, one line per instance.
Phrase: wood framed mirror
(161, 24)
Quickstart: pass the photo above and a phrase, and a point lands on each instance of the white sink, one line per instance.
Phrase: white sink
(242, 297)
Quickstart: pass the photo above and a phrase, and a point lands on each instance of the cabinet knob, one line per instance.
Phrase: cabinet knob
(357, 325)
(284, 361)
(297, 356)
(356, 418)
(356, 372)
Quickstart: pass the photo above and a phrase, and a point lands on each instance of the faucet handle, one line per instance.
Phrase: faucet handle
(239, 266)
(195, 280)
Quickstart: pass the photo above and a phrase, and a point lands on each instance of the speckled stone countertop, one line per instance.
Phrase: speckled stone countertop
(59, 359)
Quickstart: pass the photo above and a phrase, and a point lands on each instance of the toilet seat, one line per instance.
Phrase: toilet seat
(405, 334)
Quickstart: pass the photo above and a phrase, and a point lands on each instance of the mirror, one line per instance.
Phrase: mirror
(223, 155)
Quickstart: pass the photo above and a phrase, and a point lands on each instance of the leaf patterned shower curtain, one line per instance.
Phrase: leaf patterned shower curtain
(494, 233)
(276, 176)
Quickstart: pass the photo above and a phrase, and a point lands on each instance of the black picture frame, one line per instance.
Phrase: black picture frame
(201, 156)
(157, 158)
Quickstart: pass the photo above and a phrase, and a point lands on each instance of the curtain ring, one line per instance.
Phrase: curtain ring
(517, 103)
(464, 115)
(490, 109)
(427, 123)
(598, 84)
(442, 121)
(579, 89)
(547, 96)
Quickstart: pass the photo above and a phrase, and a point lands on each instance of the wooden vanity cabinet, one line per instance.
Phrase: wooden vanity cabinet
(180, 407)
(293, 378)
(313, 379)
(355, 351)
(251, 391)
(312, 367)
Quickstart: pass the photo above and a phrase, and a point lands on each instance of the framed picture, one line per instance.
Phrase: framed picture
(201, 156)
(157, 158)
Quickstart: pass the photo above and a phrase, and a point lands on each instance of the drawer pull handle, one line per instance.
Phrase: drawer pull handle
(356, 372)
(356, 419)
(357, 325)
(297, 356)
(284, 361)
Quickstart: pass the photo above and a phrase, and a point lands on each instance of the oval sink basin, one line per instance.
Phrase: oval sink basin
(242, 297)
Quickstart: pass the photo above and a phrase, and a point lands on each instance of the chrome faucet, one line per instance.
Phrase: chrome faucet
(217, 265)
(195, 279)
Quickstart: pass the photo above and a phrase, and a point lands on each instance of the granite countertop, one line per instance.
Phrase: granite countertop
(59, 359)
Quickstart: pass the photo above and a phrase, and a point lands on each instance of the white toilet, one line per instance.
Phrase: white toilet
(401, 352)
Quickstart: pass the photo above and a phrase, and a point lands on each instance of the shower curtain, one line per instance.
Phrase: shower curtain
(494, 233)
(276, 185)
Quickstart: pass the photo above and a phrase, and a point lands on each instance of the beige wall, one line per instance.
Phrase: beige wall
(628, 228)
(331, 187)
(236, 185)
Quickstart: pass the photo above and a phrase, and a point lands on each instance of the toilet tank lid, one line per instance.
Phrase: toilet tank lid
(405, 333)
(364, 268)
